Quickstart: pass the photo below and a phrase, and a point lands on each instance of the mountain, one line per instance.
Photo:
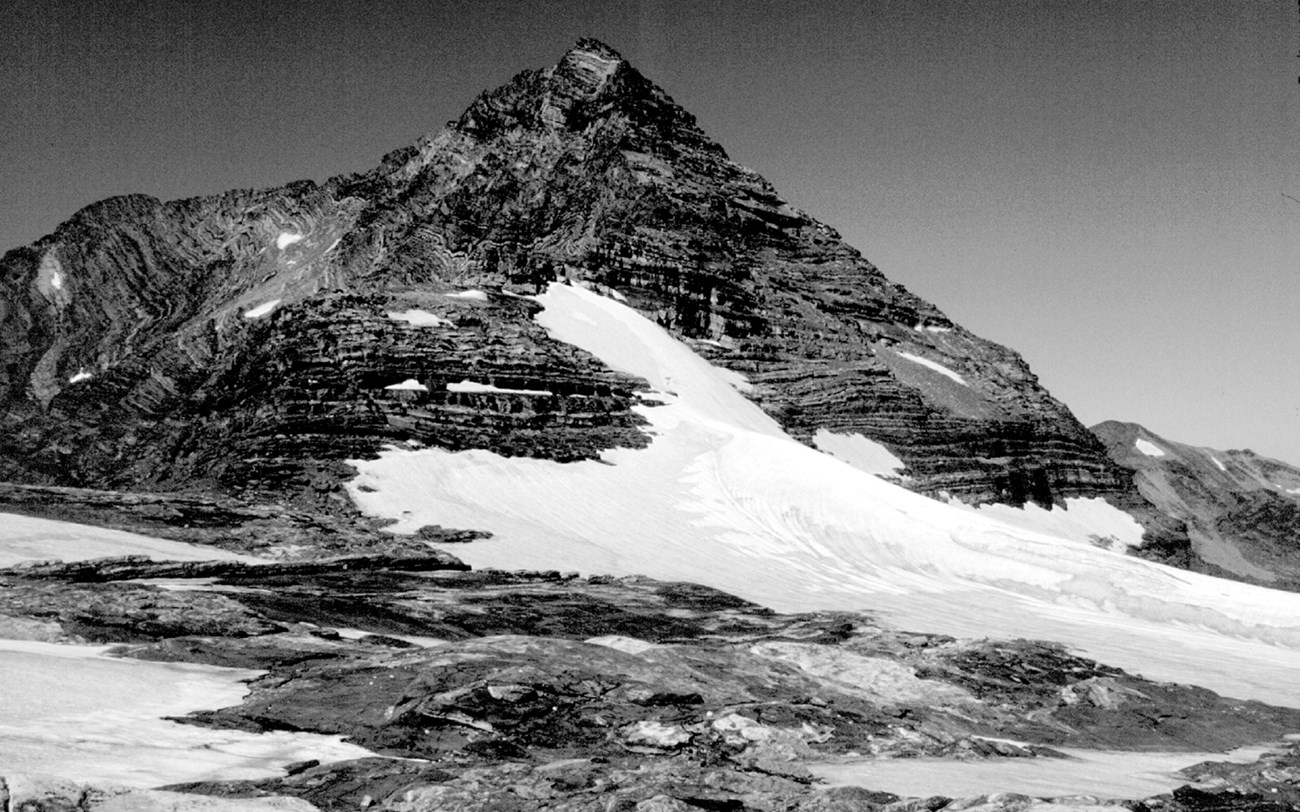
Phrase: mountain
(1242, 510)
(248, 342)
(556, 463)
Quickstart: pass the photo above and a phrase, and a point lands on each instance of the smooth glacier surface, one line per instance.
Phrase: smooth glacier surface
(722, 496)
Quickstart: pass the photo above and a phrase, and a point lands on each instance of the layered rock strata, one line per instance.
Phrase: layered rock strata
(250, 341)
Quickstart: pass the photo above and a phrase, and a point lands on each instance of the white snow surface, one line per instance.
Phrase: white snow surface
(82, 375)
(24, 538)
(1090, 520)
(1149, 448)
(411, 384)
(261, 310)
(858, 451)
(722, 496)
(287, 239)
(935, 365)
(1100, 773)
(70, 711)
(471, 386)
(476, 295)
(420, 318)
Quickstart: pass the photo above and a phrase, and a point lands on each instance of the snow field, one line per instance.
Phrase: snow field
(70, 711)
(723, 497)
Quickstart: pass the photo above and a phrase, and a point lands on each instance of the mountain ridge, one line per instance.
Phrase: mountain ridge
(586, 171)
(1242, 509)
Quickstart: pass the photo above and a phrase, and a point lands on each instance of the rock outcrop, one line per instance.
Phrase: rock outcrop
(1242, 511)
(529, 691)
(248, 342)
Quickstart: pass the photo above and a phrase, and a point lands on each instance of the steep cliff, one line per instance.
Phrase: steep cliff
(250, 341)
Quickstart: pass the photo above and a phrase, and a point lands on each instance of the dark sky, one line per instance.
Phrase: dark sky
(1099, 185)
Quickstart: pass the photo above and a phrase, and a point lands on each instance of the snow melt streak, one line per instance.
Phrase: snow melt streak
(722, 496)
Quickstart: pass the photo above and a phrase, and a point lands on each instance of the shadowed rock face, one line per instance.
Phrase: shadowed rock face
(244, 341)
(1242, 510)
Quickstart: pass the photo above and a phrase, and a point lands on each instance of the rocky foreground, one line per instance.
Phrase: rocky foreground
(540, 690)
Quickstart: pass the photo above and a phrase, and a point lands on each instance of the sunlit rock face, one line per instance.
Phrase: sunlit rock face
(1242, 510)
(243, 341)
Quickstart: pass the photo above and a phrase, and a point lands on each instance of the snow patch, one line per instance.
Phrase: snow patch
(470, 386)
(476, 295)
(722, 496)
(71, 711)
(332, 246)
(56, 281)
(1216, 462)
(410, 384)
(1149, 448)
(24, 538)
(261, 310)
(413, 639)
(287, 239)
(1100, 773)
(82, 375)
(858, 451)
(627, 645)
(935, 365)
(420, 318)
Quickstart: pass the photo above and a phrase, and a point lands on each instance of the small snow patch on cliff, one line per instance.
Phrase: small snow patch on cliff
(82, 375)
(420, 318)
(935, 365)
(1216, 462)
(1149, 448)
(409, 384)
(287, 239)
(262, 309)
(471, 386)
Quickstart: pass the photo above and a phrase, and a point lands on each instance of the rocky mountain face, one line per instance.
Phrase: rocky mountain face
(1242, 510)
(246, 343)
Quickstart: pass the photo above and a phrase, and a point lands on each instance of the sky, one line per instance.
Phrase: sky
(1101, 185)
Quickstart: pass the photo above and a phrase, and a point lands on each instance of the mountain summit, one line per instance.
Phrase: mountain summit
(249, 342)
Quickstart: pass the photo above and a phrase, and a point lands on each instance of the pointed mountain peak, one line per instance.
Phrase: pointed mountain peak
(586, 83)
(589, 48)
(587, 67)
